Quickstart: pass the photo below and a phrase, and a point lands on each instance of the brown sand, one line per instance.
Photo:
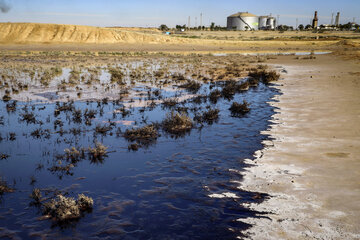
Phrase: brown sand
(25, 33)
(60, 37)
(312, 167)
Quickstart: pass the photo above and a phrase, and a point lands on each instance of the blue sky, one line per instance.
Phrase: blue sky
(153, 13)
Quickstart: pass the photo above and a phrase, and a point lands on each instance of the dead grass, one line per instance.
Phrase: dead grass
(74, 155)
(143, 135)
(97, 153)
(232, 87)
(214, 95)
(208, 116)
(103, 129)
(239, 109)
(176, 123)
(117, 76)
(262, 74)
(28, 117)
(4, 188)
(3, 156)
(11, 107)
(36, 195)
(66, 208)
(191, 86)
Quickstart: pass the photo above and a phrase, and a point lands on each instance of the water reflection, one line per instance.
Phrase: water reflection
(174, 188)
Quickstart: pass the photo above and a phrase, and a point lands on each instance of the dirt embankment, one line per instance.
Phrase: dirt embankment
(59, 33)
(59, 37)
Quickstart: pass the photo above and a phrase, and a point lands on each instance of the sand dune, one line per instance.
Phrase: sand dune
(60, 33)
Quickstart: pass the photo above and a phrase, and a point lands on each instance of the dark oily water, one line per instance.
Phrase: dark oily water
(166, 190)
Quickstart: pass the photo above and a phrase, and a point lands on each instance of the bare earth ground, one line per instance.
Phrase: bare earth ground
(205, 46)
(312, 167)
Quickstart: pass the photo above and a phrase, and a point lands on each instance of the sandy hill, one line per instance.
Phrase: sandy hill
(60, 33)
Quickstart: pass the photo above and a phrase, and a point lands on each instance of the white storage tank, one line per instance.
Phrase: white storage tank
(263, 22)
(271, 23)
(243, 21)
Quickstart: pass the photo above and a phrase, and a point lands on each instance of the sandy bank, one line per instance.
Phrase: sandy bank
(41, 33)
(62, 37)
(312, 167)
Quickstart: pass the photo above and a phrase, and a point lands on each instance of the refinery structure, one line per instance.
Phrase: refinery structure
(244, 21)
(248, 21)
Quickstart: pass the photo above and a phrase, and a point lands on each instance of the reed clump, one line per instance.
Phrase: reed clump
(142, 135)
(238, 109)
(177, 123)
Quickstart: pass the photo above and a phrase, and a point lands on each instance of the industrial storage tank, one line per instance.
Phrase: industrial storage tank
(263, 22)
(243, 21)
(271, 23)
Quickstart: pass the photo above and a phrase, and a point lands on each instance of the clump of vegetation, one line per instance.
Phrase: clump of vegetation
(46, 78)
(90, 114)
(231, 87)
(191, 86)
(97, 153)
(159, 73)
(64, 107)
(12, 136)
(84, 203)
(253, 82)
(270, 76)
(262, 74)
(170, 102)
(3, 156)
(58, 123)
(4, 188)
(242, 86)
(208, 116)
(238, 109)
(307, 57)
(75, 131)
(74, 155)
(133, 147)
(103, 129)
(144, 135)
(66, 208)
(77, 115)
(38, 133)
(214, 95)
(178, 77)
(28, 117)
(11, 107)
(62, 169)
(74, 77)
(177, 123)
(6, 97)
(49, 74)
(117, 76)
(36, 195)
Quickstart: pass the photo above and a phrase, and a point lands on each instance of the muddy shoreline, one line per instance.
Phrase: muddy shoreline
(311, 168)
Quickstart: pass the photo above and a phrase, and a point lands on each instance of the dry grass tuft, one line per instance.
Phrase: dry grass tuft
(177, 123)
(238, 109)
(98, 153)
(263, 75)
(142, 135)
(66, 208)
